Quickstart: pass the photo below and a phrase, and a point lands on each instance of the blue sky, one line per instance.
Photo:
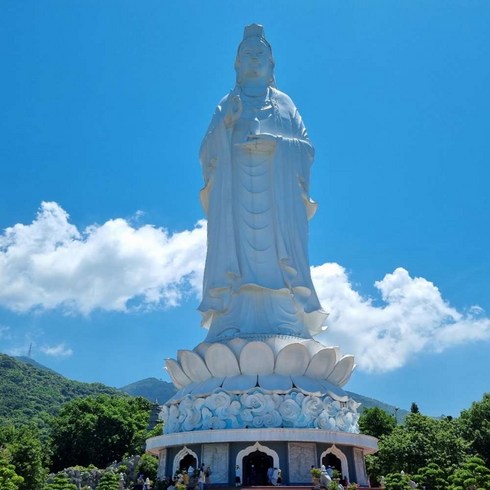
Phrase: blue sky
(102, 242)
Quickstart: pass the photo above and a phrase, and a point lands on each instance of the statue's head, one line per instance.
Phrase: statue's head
(254, 61)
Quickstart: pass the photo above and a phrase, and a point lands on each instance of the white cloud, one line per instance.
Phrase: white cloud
(59, 350)
(50, 264)
(21, 350)
(413, 318)
(121, 266)
(4, 332)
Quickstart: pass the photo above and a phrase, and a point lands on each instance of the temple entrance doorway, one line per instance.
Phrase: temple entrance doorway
(255, 466)
(332, 460)
(186, 461)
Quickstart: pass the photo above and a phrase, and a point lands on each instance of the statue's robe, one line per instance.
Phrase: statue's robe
(257, 278)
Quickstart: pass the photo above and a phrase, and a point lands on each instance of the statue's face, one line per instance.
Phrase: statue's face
(254, 60)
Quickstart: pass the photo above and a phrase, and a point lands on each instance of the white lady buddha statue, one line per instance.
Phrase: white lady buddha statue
(256, 158)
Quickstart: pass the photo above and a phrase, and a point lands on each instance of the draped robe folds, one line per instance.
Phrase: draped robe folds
(257, 277)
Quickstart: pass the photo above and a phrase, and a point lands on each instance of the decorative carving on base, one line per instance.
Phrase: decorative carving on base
(302, 456)
(216, 457)
(258, 408)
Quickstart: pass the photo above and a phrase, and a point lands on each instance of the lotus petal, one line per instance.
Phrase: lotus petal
(345, 380)
(275, 382)
(342, 371)
(193, 365)
(180, 394)
(334, 391)
(314, 346)
(322, 364)
(307, 385)
(293, 359)
(278, 343)
(236, 345)
(256, 358)
(206, 387)
(221, 361)
(179, 378)
(240, 384)
(202, 348)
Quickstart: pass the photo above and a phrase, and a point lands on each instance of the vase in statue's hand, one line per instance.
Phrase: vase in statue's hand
(260, 143)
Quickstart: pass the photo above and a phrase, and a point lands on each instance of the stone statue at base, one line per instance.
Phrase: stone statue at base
(256, 158)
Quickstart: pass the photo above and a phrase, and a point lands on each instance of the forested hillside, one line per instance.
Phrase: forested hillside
(31, 392)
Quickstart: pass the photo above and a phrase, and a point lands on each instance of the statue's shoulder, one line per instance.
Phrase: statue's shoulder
(282, 99)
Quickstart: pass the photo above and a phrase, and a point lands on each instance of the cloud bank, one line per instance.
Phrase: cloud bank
(114, 266)
(60, 350)
(412, 318)
(117, 266)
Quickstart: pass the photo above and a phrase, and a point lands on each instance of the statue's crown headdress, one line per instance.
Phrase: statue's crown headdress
(253, 30)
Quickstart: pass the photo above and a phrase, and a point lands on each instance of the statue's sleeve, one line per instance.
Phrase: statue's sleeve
(214, 151)
(298, 150)
(208, 145)
(301, 135)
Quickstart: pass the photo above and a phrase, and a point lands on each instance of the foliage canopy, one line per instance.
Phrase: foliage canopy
(376, 422)
(99, 430)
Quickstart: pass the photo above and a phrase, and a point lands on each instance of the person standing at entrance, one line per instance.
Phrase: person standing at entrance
(270, 471)
(274, 476)
(201, 478)
(253, 476)
(238, 481)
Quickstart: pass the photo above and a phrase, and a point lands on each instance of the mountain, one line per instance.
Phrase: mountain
(32, 362)
(155, 390)
(31, 392)
(367, 402)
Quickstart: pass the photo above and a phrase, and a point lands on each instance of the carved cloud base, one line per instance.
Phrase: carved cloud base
(259, 408)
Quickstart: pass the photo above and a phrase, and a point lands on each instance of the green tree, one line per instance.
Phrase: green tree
(473, 475)
(9, 479)
(414, 408)
(397, 481)
(61, 482)
(148, 466)
(99, 430)
(419, 441)
(28, 455)
(432, 476)
(376, 422)
(156, 431)
(475, 427)
(109, 481)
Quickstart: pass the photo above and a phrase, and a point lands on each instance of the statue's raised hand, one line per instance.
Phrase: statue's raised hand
(234, 111)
